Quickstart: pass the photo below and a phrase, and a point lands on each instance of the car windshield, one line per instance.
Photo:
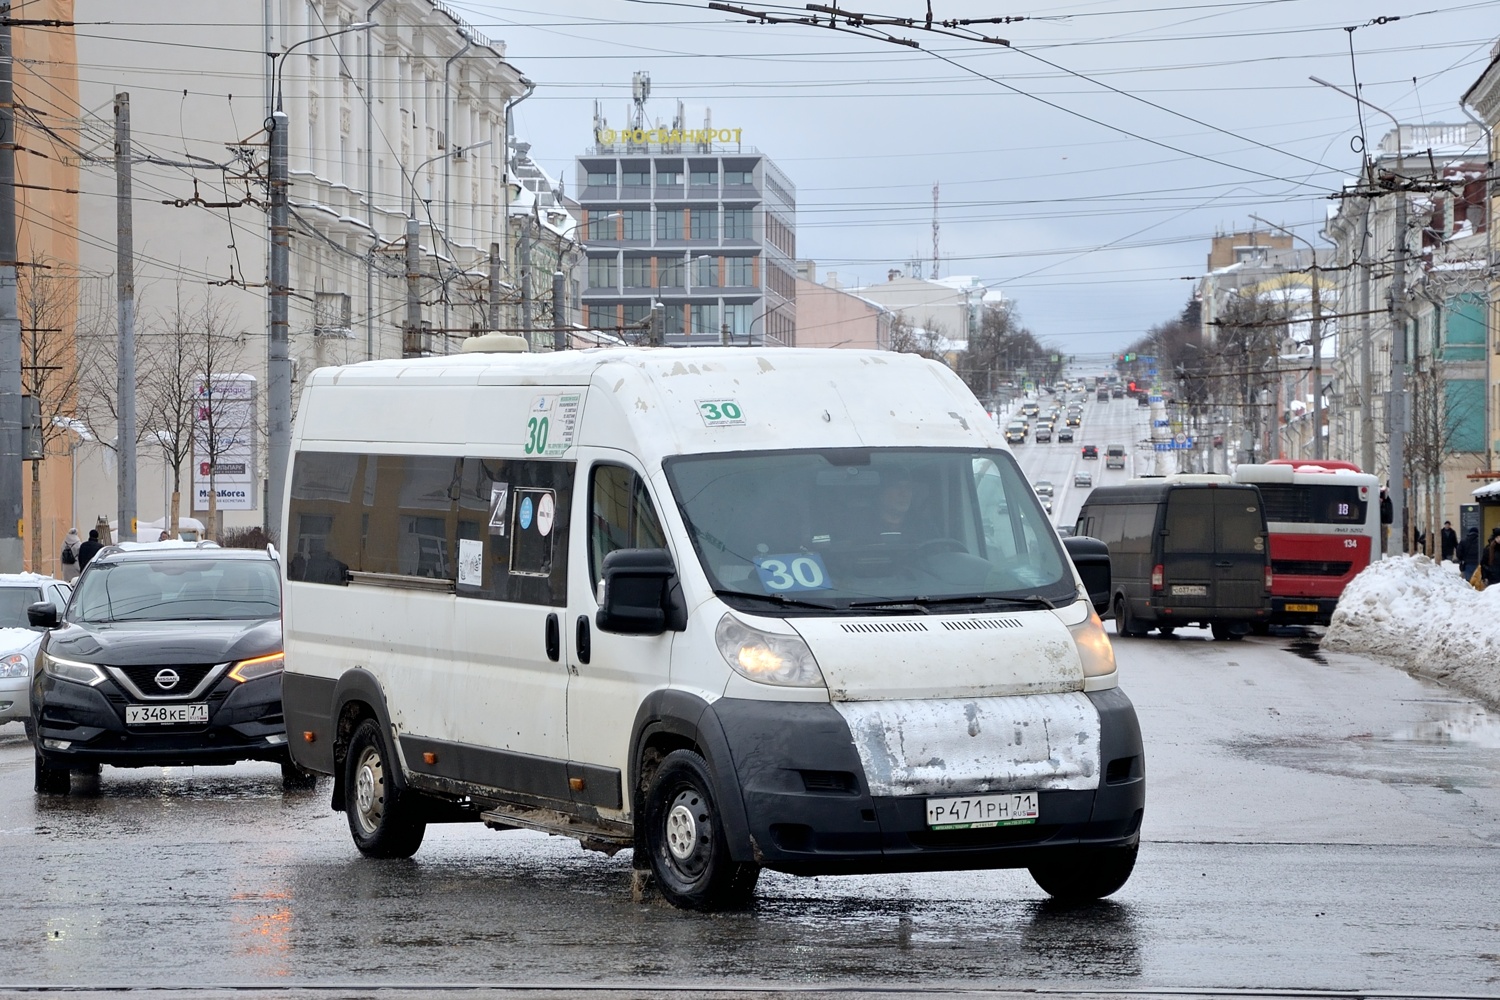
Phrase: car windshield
(177, 590)
(840, 528)
(13, 604)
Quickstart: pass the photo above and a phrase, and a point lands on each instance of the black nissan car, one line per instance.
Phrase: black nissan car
(167, 654)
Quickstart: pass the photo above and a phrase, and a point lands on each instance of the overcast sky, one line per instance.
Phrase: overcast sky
(1083, 169)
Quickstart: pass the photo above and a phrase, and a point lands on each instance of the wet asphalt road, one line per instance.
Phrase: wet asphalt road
(1312, 822)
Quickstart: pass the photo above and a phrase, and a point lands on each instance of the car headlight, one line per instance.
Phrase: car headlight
(766, 657)
(15, 665)
(72, 670)
(1094, 649)
(257, 666)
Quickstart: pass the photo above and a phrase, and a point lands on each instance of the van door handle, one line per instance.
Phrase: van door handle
(1223, 565)
(582, 644)
(554, 638)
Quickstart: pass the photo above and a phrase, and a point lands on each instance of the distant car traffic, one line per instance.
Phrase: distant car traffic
(1114, 456)
(1065, 433)
(19, 640)
(1083, 479)
(1090, 451)
(1043, 433)
(1015, 432)
(1043, 487)
(166, 655)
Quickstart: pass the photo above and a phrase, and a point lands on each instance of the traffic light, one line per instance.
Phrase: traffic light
(1129, 358)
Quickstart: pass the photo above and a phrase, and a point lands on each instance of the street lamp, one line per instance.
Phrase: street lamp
(413, 247)
(278, 341)
(749, 334)
(1317, 337)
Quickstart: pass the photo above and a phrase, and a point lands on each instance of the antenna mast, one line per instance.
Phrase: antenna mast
(935, 257)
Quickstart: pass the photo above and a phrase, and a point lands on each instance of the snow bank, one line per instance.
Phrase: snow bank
(1427, 619)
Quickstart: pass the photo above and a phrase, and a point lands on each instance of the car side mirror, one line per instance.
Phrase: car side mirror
(641, 594)
(1091, 558)
(43, 614)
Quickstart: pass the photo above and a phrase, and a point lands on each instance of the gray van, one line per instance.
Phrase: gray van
(1183, 550)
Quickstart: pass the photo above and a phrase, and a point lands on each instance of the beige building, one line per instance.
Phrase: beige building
(948, 309)
(831, 316)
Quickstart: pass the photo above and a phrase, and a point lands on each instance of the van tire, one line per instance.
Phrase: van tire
(381, 822)
(1086, 873)
(685, 839)
(1124, 621)
(1225, 633)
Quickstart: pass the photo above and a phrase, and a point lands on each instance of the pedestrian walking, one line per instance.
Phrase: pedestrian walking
(69, 556)
(88, 549)
(1468, 553)
(1489, 563)
(1450, 542)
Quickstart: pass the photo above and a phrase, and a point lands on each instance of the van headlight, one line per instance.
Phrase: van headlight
(72, 670)
(15, 665)
(765, 657)
(1094, 649)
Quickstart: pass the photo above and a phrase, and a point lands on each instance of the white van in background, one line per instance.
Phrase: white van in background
(732, 608)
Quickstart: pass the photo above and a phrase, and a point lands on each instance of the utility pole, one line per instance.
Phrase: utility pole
(11, 558)
(559, 311)
(494, 309)
(1396, 409)
(413, 275)
(1366, 361)
(278, 357)
(125, 484)
(526, 279)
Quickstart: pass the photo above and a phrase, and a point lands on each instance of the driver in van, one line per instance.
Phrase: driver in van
(891, 517)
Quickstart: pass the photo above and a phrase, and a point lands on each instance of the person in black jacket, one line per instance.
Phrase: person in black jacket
(88, 549)
(1489, 563)
(1449, 540)
(1468, 553)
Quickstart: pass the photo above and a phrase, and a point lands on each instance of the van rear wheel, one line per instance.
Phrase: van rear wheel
(1086, 873)
(1124, 621)
(381, 821)
(1225, 633)
(685, 839)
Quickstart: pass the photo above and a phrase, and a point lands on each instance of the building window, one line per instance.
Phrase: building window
(600, 178)
(739, 271)
(706, 318)
(672, 320)
(331, 316)
(636, 177)
(744, 178)
(669, 272)
(604, 272)
(738, 318)
(704, 178)
(637, 315)
(669, 224)
(637, 272)
(602, 227)
(738, 223)
(668, 177)
(637, 224)
(704, 224)
(706, 272)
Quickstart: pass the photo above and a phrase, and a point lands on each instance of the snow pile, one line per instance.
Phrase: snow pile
(1427, 618)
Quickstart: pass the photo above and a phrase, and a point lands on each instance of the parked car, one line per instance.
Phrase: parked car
(1090, 451)
(1083, 479)
(166, 655)
(19, 640)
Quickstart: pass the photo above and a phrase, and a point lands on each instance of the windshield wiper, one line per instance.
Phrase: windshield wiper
(925, 604)
(780, 599)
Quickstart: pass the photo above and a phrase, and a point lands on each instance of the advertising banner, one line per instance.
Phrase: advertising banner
(224, 434)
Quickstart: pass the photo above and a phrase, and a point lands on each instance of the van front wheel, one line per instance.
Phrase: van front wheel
(382, 824)
(1085, 874)
(685, 839)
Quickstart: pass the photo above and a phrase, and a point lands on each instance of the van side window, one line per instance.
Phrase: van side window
(513, 517)
(412, 516)
(621, 516)
(324, 520)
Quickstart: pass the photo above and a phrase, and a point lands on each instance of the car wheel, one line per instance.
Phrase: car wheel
(1124, 621)
(685, 839)
(380, 821)
(29, 724)
(1086, 873)
(295, 778)
(51, 779)
(1225, 633)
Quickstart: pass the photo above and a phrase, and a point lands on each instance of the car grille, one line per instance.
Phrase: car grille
(189, 677)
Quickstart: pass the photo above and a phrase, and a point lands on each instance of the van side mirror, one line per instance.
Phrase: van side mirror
(1091, 558)
(641, 594)
(42, 614)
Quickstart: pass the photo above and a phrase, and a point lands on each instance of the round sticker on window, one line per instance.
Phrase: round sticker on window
(525, 513)
(544, 514)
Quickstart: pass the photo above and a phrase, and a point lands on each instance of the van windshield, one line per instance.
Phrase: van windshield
(841, 529)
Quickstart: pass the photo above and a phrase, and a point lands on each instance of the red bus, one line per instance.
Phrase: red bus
(1324, 523)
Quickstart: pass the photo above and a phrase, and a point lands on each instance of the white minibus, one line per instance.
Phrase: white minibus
(729, 608)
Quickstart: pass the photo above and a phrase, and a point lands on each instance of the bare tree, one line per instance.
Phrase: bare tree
(49, 370)
(926, 341)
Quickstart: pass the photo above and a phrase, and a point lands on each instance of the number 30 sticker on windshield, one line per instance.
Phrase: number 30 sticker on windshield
(721, 413)
(782, 574)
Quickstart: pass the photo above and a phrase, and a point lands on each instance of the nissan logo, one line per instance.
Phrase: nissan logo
(166, 678)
